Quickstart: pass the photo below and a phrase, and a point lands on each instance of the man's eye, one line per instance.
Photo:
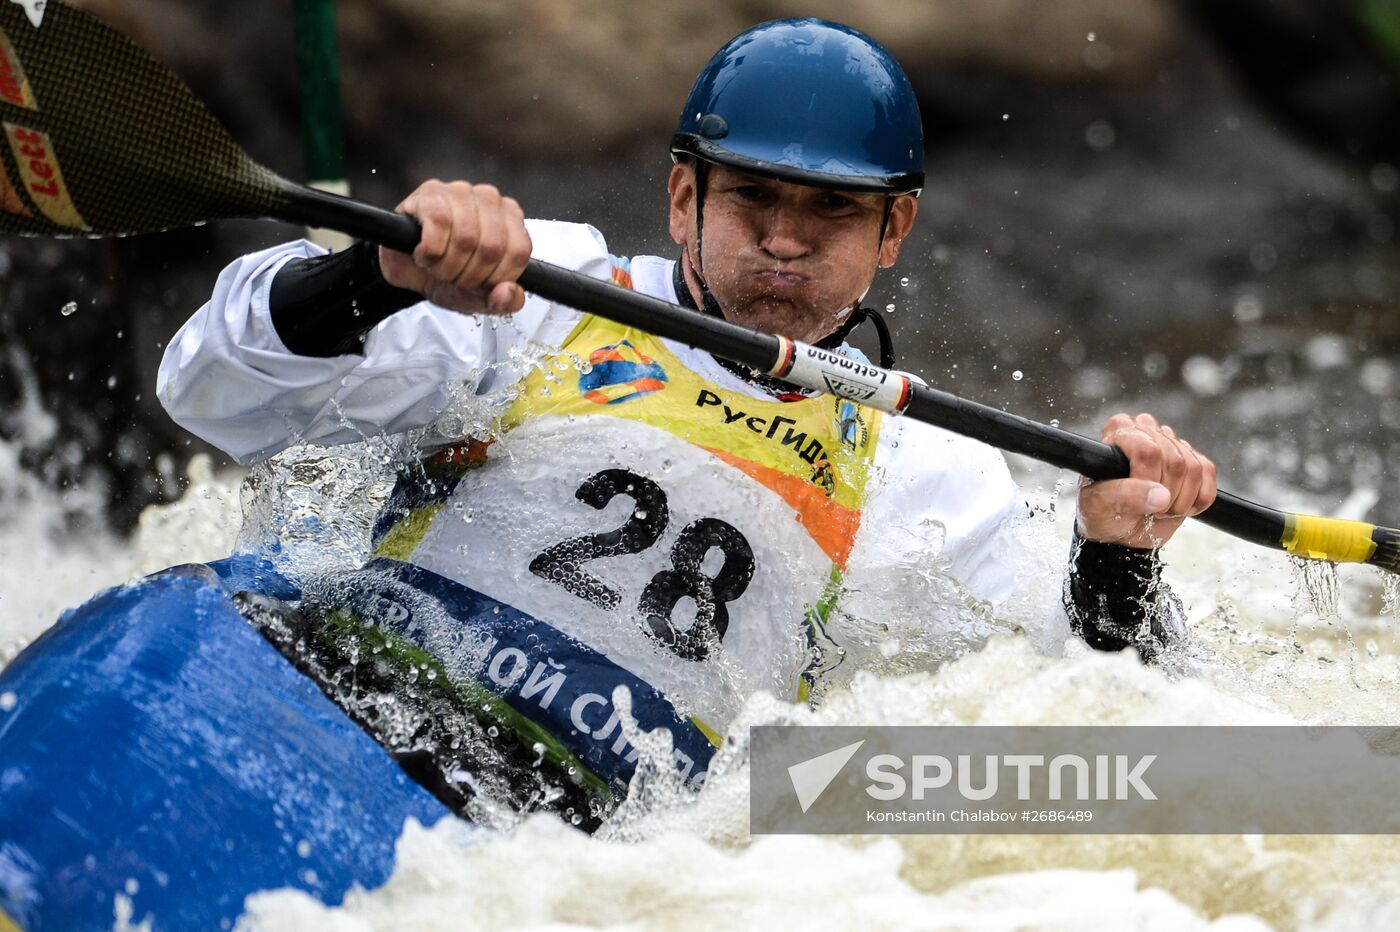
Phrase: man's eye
(835, 202)
(749, 192)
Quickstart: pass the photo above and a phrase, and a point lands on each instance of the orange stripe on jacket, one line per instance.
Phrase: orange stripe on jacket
(830, 524)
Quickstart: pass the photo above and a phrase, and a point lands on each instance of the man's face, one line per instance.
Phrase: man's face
(785, 258)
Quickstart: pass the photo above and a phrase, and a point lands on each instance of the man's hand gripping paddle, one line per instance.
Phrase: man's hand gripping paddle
(102, 140)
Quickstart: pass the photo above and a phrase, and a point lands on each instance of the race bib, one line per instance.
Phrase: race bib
(673, 563)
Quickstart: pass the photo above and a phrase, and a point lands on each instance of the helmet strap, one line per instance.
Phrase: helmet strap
(707, 299)
(702, 177)
(861, 314)
(884, 226)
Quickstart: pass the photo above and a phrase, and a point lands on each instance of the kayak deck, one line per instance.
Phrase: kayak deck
(155, 746)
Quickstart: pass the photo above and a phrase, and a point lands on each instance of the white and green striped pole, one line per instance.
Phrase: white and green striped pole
(322, 134)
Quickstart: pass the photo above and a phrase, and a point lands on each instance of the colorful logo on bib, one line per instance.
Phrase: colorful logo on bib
(849, 424)
(620, 373)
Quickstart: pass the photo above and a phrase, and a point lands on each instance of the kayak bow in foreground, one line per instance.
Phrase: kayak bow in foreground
(154, 746)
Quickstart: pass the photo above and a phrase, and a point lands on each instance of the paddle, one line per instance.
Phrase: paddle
(101, 140)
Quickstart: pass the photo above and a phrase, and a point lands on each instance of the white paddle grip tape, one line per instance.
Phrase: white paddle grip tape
(824, 371)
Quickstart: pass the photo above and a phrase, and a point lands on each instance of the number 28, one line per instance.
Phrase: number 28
(561, 563)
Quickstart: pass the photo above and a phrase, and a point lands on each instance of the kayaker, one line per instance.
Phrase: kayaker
(646, 514)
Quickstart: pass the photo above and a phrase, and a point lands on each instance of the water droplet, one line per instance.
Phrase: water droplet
(1092, 37)
(8, 701)
(304, 848)
(1248, 309)
(1100, 135)
(1385, 177)
(1377, 377)
(111, 381)
(132, 886)
(1005, 116)
(904, 282)
(889, 308)
(69, 309)
(640, 515)
(1204, 376)
(1017, 376)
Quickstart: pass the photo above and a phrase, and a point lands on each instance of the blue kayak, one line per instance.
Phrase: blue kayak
(154, 745)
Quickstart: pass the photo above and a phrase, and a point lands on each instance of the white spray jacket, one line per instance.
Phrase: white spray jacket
(935, 499)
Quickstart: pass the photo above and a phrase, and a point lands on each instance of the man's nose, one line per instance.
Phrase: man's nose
(787, 233)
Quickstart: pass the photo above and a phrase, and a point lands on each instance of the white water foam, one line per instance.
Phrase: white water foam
(1275, 644)
(546, 875)
(49, 567)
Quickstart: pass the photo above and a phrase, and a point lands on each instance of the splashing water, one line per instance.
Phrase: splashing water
(1273, 642)
(671, 859)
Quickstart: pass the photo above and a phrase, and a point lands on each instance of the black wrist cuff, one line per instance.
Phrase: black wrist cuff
(1111, 596)
(325, 306)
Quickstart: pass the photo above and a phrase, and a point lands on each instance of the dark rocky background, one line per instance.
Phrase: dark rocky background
(1187, 206)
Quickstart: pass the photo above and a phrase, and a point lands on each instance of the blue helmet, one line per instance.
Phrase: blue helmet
(807, 101)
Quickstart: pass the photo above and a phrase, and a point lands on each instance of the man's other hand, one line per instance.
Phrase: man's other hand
(1168, 482)
(474, 247)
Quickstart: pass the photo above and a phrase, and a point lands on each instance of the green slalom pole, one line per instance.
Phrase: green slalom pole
(322, 129)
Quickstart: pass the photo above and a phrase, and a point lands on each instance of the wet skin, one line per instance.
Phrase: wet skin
(783, 258)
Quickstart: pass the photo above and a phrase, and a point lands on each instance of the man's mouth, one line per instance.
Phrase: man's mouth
(779, 280)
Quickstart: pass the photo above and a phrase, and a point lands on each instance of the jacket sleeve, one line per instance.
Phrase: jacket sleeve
(228, 378)
(937, 548)
(942, 500)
